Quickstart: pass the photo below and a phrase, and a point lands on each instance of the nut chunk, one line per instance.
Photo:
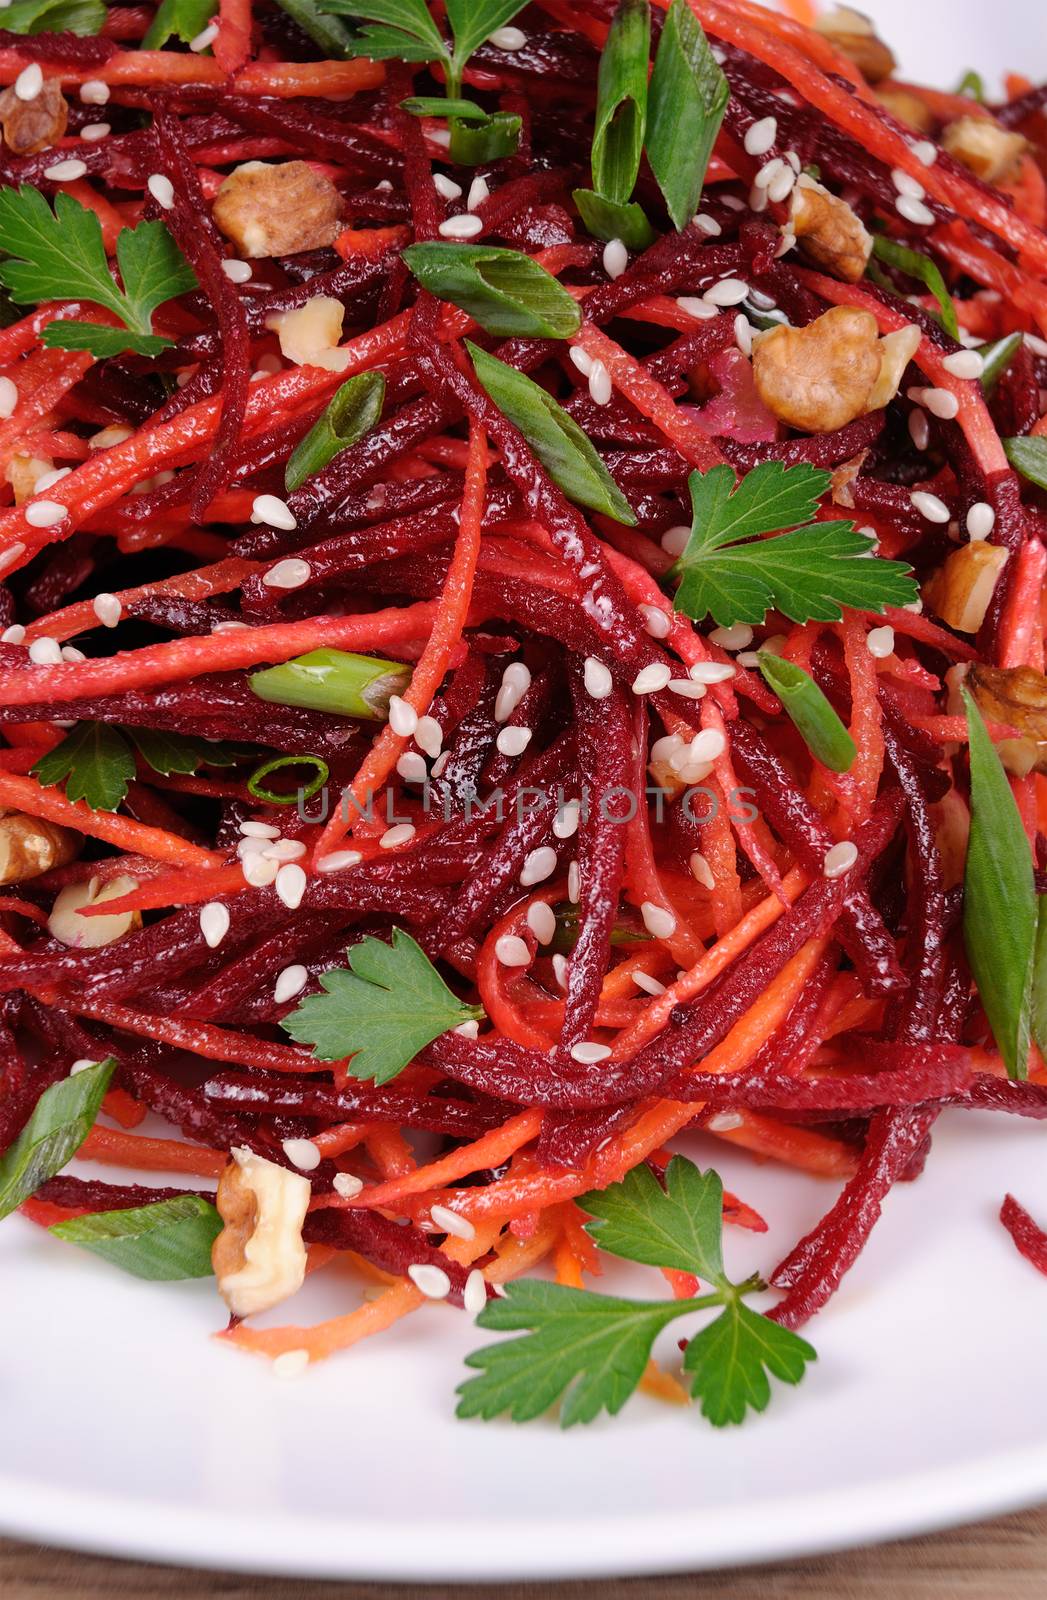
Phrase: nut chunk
(961, 589)
(1018, 697)
(854, 35)
(30, 846)
(37, 124)
(985, 149)
(277, 209)
(259, 1257)
(823, 376)
(829, 231)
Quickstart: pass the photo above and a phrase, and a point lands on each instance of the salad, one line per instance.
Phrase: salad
(521, 575)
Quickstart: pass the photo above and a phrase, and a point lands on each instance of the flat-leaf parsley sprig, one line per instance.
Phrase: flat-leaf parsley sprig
(589, 1351)
(59, 255)
(731, 572)
(403, 30)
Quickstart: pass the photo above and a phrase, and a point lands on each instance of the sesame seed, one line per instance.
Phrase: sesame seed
(687, 689)
(162, 190)
(214, 923)
(474, 1296)
(411, 767)
(478, 193)
(538, 865)
(906, 184)
(728, 292)
(44, 513)
(597, 678)
(615, 258)
(446, 186)
(560, 970)
(925, 152)
(760, 136)
(276, 512)
(581, 359)
(513, 741)
(919, 428)
(303, 1154)
(649, 680)
(695, 307)
(290, 1363)
(437, 136)
(348, 1185)
(15, 634)
(91, 132)
(47, 480)
(541, 919)
(743, 334)
(914, 211)
(701, 870)
(574, 883)
(769, 171)
(8, 397)
(964, 364)
(428, 736)
(565, 823)
(237, 271)
(588, 1052)
(291, 981)
(83, 1065)
(981, 519)
(600, 389)
(659, 922)
(739, 636)
(259, 830)
(782, 186)
(708, 745)
(433, 1281)
(712, 671)
(708, 225)
(512, 951)
(468, 1030)
(290, 884)
(283, 850)
(464, 226)
(724, 1122)
(71, 653)
(649, 985)
(929, 505)
(655, 621)
(1032, 341)
(675, 539)
(29, 82)
(94, 92)
(508, 39)
(749, 658)
(401, 833)
(449, 1221)
(339, 861)
(440, 763)
(880, 642)
(839, 859)
(258, 872)
(45, 652)
(939, 402)
(66, 171)
(289, 574)
(403, 718)
(204, 39)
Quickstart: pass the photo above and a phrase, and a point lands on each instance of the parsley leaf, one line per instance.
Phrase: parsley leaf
(730, 572)
(178, 19)
(403, 30)
(390, 1005)
(59, 255)
(182, 752)
(728, 1362)
(590, 1350)
(55, 16)
(95, 760)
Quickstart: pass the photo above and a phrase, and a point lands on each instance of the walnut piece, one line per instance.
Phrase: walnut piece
(259, 1257)
(30, 846)
(985, 149)
(37, 124)
(961, 589)
(90, 933)
(829, 231)
(309, 334)
(855, 37)
(1018, 697)
(907, 107)
(823, 376)
(277, 209)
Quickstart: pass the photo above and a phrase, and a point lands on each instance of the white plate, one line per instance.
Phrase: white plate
(128, 1430)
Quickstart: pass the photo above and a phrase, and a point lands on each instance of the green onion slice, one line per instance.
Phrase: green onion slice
(504, 290)
(810, 712)
(354, 411)
(605, 219)
(334, 680)
(687, 99)
(921, 267)
(621, 102)
(474, 144)
(284, 797)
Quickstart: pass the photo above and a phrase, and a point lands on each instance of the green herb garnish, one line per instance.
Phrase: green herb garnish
(354, 411)
(589, 1351)
(621, 102)
(178, 19)
(163, 1242)
(506, 292)
(333, 680)
(390, 1004)
(333, 37)
(1029, 457)
(999, 899)
(96, 762)
(566, 453)
(55, 16)
(403, 30)
(921, 267)
(605, 219)
(997, 357)
(810, 712)
(257, 786)
(731, 573)
(59, 255)
(62, 1118)
(687, 99)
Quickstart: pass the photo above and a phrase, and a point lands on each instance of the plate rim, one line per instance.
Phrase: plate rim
(731, 1538)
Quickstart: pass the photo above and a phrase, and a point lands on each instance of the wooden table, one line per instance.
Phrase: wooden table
(1001, 1560)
